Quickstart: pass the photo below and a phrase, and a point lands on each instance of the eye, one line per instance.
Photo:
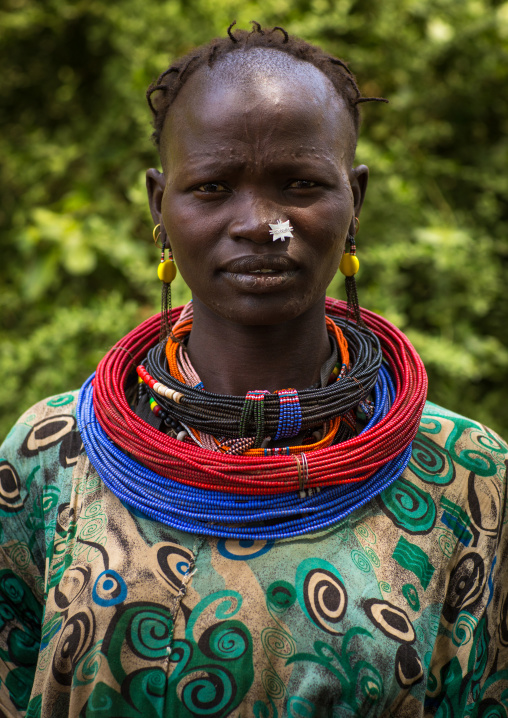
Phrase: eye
(211, 187)
(302, 184)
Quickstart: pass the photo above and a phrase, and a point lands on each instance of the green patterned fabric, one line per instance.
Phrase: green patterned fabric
(399, 610)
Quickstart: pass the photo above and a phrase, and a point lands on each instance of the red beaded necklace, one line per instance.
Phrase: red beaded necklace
(348, 462)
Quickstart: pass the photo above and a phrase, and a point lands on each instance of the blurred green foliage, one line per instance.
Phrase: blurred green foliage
(75, 233)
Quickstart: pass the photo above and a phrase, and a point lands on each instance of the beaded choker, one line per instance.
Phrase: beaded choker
(206, 492)
(250, 418)
(282, 414)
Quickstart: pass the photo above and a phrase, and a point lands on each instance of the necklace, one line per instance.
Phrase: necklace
(165, 403)
(217, 514)
(208, 493)
(349, 461)
(282, 414)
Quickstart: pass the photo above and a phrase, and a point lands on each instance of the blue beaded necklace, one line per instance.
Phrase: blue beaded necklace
(221, 514)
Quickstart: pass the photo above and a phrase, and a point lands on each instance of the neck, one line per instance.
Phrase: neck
(234, 359)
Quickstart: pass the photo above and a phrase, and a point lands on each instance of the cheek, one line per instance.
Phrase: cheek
(328, 227)
(193, 240)
(329, 234)
(175, 215)
(187, 231)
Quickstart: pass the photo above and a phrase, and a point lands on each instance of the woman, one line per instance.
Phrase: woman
(272, 522)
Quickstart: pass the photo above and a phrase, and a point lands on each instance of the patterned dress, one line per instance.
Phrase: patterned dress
(399, 610)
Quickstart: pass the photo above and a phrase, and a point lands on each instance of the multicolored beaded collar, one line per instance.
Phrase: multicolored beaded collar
(252, 430)
(206, 492)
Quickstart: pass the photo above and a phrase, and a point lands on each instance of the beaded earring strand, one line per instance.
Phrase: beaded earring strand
(166, 271)
(349, 266)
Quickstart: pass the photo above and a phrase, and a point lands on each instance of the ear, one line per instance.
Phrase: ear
(155, 184)
(359, 177)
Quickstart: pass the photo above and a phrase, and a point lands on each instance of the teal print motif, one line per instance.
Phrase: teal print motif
(280, 596)
(360, 560)
(477, 460)
(144, 697)
(218, 671)
(446, 542)
(411, 595)
(430, 463)
(430, 425)
(412, 558)
(384, 587)
(359, 683)
(457, 520)
(49, 498)
(372, 556)
(277, 642)
(273, 686)
(145, 632)
(321, 593)
(261, 710)
(451, 702)
(464, 628)
(42, 506)
(409, 507)
(50, 629)
(22, 641)
(62, 400)
(88, 485)
(35, 707)
(365, 533)
(300, 708)
(88, 666)
(19, 554)
(214, 671)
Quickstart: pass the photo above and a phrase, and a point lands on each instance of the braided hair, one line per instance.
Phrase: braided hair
(163, 91)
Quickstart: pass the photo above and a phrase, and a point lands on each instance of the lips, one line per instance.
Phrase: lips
(261, 263)
(261, 273)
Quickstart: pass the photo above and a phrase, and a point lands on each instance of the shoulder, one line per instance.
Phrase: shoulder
(463, 465)
(42, 444)
(469, 445)
(44, 423)
(457, 479)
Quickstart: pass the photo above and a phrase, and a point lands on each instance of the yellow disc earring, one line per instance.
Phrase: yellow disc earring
(350, 264)
(166, 271)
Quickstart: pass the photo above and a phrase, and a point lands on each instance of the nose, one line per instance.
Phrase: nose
(253, 215)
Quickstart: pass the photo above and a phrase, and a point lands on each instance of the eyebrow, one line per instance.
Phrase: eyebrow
(306, 161)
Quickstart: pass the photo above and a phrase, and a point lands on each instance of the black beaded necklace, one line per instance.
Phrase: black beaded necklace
(224, 415)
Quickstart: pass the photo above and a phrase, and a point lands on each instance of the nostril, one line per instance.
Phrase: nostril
(254, 231)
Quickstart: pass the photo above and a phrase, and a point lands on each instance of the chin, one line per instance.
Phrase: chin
(268, 310)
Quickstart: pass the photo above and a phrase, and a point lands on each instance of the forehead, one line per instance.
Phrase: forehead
(260, 92)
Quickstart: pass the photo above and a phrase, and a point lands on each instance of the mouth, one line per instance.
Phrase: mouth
(261, 273)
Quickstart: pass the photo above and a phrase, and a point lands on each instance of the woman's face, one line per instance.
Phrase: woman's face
(242, 151)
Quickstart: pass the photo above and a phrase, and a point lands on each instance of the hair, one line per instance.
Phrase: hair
(162, 92)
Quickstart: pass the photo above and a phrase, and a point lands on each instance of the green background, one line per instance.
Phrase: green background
(78, 264)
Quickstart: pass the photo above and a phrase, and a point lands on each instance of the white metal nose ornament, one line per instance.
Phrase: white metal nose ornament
(281, 230)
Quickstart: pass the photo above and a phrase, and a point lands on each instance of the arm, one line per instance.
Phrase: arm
(28, 494)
